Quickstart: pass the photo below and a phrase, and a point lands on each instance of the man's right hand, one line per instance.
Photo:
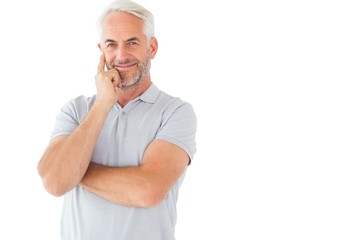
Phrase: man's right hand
(108, 83)
(67, 157)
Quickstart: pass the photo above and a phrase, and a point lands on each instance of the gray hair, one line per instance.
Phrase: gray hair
(132, 8)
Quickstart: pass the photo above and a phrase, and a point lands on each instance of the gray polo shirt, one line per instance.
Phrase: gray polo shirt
(122, 142)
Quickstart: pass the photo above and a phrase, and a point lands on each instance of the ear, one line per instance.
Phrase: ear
(153, 47)
(99, 46)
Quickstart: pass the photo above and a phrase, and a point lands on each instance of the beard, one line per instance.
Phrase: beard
(129, 79)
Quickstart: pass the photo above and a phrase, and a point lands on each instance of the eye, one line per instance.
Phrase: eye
(132, 43)
(111, 45)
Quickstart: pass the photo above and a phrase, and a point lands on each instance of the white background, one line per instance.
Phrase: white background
(275, 85)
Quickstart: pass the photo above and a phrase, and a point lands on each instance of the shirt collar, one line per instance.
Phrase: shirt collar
(151, 94)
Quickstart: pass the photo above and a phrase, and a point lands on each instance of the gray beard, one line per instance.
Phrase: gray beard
(143, 69)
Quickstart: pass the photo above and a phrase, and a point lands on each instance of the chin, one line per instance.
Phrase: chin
(131, 83)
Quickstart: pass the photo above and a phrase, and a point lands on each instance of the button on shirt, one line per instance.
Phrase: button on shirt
(124, 137)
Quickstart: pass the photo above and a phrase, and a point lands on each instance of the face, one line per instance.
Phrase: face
(126, 48)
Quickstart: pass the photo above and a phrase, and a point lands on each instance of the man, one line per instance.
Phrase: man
(119, 157)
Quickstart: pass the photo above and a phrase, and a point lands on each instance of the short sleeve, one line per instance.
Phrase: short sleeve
(180, 128)
(70, 116)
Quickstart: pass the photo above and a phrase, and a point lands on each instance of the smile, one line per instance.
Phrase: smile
(124, 67)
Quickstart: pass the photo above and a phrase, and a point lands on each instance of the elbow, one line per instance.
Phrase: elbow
(56, 192)
(54, 188)
(151, 199)
(149, 202)
(53, 184)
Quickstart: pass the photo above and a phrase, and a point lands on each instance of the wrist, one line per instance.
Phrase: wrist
(101, 109)
(104, 103)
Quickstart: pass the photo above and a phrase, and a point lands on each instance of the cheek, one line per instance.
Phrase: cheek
(109, 56)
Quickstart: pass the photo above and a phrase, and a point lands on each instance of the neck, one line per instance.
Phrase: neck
(129, 93)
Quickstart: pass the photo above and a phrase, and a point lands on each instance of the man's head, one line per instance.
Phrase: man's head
(127, 40)
(132, 8)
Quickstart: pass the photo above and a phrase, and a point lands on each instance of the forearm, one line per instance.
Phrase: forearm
(64, 163)
(144, 186)
(129, 186)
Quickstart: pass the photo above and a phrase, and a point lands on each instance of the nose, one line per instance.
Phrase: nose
(121, 52)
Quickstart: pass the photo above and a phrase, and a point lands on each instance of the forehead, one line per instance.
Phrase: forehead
(119, 25)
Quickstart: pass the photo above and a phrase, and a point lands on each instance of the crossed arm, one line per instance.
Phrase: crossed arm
(66, 164)
(143, 186)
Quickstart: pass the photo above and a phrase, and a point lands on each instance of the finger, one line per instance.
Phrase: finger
(115, 78)
(101, 66)
(117, 90)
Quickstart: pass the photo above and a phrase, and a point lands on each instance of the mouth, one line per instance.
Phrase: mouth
(124, 67)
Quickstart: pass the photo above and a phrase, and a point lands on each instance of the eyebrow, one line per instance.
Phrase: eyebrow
(128, 40)
(109, 40)
(133, 39)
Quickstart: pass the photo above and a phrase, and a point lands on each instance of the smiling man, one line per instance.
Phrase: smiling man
(120, 156)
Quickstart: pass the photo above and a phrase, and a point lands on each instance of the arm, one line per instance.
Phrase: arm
(142, 186)
(66, 159)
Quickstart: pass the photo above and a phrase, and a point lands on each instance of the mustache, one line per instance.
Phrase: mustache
(124, 62)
